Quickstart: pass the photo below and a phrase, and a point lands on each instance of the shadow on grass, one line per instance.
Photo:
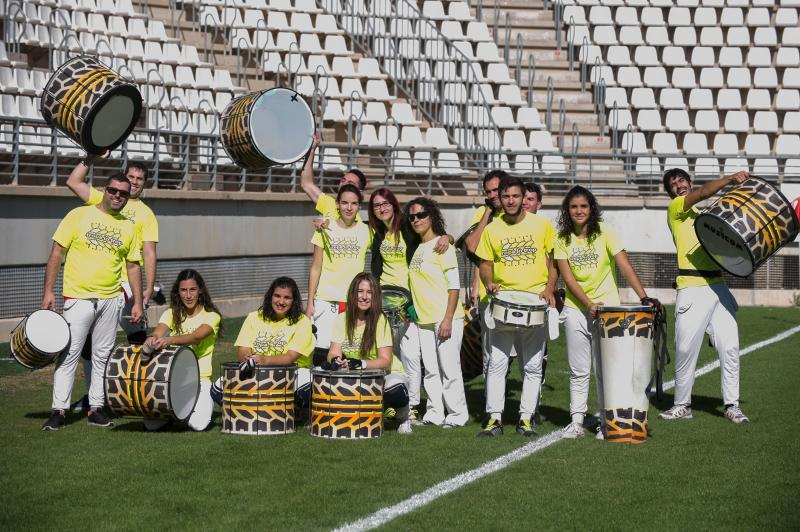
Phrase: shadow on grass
(70, 419)
(700, 403)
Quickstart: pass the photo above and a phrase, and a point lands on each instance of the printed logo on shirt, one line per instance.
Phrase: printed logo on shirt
(392, 250)
(130, 214)
(270, 344)
(102, 238)
(352, 348)
(583, 257)
(343, 247)
(518, 251)
(416, 262)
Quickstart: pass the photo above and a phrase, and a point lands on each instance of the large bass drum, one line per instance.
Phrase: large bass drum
(267, 128)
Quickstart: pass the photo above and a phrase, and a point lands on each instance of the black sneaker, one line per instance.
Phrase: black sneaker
(80, 405)
(525, 428)
(56, 421)
(492, 427)
(99, 418)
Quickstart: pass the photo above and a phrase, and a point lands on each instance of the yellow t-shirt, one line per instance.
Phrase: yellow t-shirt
(326, 206)
(691, 255)
(275, 338)
(395, 267)
(519, 252)
(427, 281)
(98, 246)
(204, 349)
(343, 253)
(352, 349)
(592, 265)
(476, 217)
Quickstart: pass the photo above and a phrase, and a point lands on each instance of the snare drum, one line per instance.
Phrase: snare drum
(395, 301)
(39, 338)
(259, 402)
(347, 404)
(746, 226)
(471, 353)
(162, 386)
(91, 104)
(626, 360)
(267, 128)
(518, 309)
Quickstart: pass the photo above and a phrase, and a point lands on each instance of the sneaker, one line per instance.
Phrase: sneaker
(56, 421)
(80, 405)
(735, 415)
(405, 427)
(98, 418)
(525, 428)
(677, 412)
(573, 430)
(492, 427)
(413, 417)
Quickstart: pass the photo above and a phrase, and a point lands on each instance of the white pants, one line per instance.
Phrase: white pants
(529, 343)
(406, 342)
(200, 418)
(443, 382)
(712, 310)
(100, 317)
(583, 346)
(324, 314)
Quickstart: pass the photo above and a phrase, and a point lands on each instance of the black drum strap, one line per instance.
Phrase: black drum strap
(660, 353)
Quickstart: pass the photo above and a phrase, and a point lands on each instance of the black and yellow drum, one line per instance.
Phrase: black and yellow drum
(259, 402)
(91, 104)
(471, 353)
(39, 339)
(347, 404)
(267, 128)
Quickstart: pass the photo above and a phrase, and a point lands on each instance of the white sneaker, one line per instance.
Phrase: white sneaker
(573, 430)
(678, 412)
(735, 415)
(405, 427)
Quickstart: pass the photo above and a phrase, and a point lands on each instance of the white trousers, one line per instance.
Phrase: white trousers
(200, 418)
(706, 309)
(583, 346)
(406, 342)
(324, 314)
(529, 343)
(444, 384)
(100, 317)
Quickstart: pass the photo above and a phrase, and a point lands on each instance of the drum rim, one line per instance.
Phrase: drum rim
(349, 373)
(535, 307)
(197, 390)
(390, 288)
(310, 114)
(235, 365)
(26, 321)
(129, 90)
(625, 307)
(753, 265)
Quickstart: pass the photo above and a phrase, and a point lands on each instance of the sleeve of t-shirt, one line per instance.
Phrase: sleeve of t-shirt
(484, 250)
(247, 332)
(134, 251)
(166, 318)
(95, 196)
(476, 217)
(302, 341)
(326, 205)
(613, 243)
(676, 208)
(549, 237)
(560, 249)
(448, 259)
(317, 240)
(212, 319)
(66, 230)
(383, 336)
(149, 227)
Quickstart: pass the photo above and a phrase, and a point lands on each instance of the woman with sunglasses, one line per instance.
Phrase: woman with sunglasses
(435, 286)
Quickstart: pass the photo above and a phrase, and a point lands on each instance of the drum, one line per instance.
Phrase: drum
(91, 104)
(39, 338)
(347, 404)
(395, 301)
(162, 386)
(746, 226)
(259, 402)
(267, 128)
(626, 361)
(517, 308)
(471, 353)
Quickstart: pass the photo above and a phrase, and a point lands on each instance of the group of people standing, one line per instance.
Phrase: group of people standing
(343, 325)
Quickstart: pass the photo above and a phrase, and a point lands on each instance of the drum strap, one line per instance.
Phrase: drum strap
(660, 352)
(706, 274)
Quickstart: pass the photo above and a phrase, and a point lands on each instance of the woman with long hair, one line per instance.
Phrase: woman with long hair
(361, 339)
(587, 251)
(192, 320)
(339, 252)
(435, 286)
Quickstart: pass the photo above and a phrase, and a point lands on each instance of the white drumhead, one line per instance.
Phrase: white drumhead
(519, 297)
(47, 331)
(112, 120)
(282, 125)
(727, 247)
(184, 383)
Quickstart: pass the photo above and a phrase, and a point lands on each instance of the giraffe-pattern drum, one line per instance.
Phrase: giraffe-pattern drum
(39, 338)
(471, 353)
(746, 226)
(626, 362)
(347, 404)
(267, 128)
(259, 402)
(162, 386)
(91, 104)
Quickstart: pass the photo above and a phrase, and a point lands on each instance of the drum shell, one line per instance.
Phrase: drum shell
(347, 404)
(746, 226)
(74, 94)
(518, 315)
(26, 353)
(471, 352)
(626, 358)
(262, 403)
(140, 387)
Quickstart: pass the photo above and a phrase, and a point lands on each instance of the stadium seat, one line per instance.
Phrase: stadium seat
(707, 167)
(791, 78)
(735, 164)
(787, 100)
(791, 122)
(541, 141)
(671, 98)
(758, 99)
(641, 98)
(553, 165)
(633, 142)
(730, 56)
(787, 57)
(658, 36)
(678, 120)
(619, 119)
(645, 56)
(665, 143)
(648, 166)
(528, 118)
(787, 145)
(758, 16)
(767, 77)
(695, 143)
(673, 56)
(726, 144)
(649, 120)
(765, 122)
(756, 145)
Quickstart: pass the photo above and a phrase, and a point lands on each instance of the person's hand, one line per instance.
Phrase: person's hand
(90, 158)
(137, 313)
(49, 301)
(355, 364)
(315, 141)
(652, 302)
(339, 362)
(489, 205)
(549, 295)
(473, 298)
(321, 224)
(740, 177)
(492, 288)
(445, 328)
(594, 308)
(442, 243)
(156, 343)
(146, 295)
(310, 309)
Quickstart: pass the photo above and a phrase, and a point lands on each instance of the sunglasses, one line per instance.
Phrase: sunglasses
(117, 192)
(421, 215)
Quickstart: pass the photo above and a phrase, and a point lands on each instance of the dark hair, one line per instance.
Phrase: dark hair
(437, 222)
(373, 313)
(375, 223)
(501, 174)
(535, 188)
(139, 165)
(565, 226)
(674, 172)
(203, 298)
(362, 179)
(349, 188)
(295, 311)
(510, 181)
(120, 178)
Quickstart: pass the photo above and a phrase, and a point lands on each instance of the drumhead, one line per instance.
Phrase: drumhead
(624, 307)
(282, 125)
(518, 297)
(47, 331)
(318, 372)
(184, 383)
(235, 365)
(725, 246)
(112, 119)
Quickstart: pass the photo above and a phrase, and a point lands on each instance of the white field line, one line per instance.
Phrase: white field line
(384, 515)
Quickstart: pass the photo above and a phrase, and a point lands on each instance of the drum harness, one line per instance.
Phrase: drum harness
(660, 352)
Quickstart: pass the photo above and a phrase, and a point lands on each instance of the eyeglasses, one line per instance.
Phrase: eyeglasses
(116, 191)
(421, 215)
(381, 206)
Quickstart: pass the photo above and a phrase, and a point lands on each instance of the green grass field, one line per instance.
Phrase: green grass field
(704, 473)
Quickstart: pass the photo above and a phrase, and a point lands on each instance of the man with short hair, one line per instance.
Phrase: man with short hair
(703, 304)
(532, 201)
(324, 203)
(100, 244)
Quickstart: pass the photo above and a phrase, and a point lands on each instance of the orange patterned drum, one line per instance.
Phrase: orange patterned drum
(347, 404)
